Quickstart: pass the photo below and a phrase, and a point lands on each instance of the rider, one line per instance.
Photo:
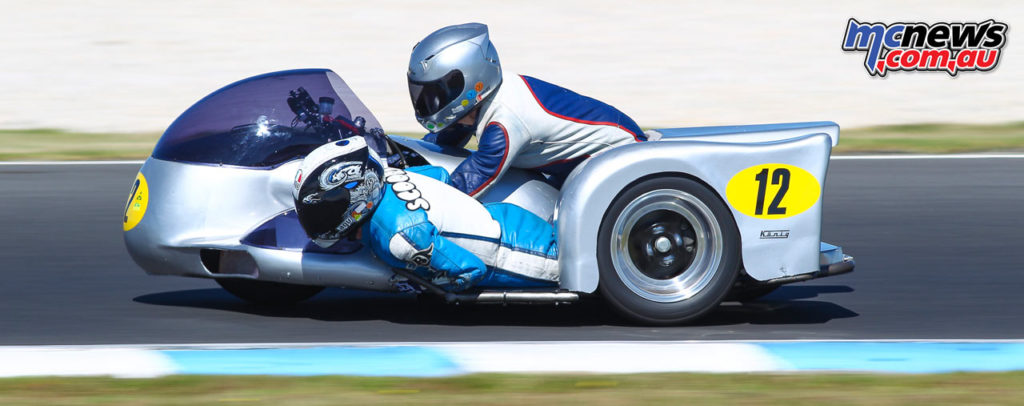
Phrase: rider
(412, 219)
(458, 89)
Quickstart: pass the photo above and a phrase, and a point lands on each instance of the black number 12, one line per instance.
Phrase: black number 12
(780, 176)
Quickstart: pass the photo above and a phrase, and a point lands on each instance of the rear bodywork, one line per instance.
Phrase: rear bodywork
(713, 156)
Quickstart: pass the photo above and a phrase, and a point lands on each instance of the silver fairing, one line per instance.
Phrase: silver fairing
(195, 207)
(220, 179)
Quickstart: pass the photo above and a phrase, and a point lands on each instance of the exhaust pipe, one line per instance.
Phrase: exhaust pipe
(497, 297)
(492, 297)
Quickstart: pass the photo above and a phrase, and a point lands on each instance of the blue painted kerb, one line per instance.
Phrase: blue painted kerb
(899, 357)
(372, 361)
(424, 361)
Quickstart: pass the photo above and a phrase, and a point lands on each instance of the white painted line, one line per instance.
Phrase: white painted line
(944, 156)
(635, 357)
(48, 163)
(117, 362)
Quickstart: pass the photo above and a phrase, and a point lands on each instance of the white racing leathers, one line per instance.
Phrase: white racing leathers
(533, 124)
(425, 225)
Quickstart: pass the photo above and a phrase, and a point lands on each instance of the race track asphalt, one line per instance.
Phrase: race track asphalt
(938, 245)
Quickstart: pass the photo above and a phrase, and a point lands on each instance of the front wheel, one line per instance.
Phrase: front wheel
(268, 293)
(668, 251)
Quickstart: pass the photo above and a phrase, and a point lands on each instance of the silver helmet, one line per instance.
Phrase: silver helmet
(451, 71)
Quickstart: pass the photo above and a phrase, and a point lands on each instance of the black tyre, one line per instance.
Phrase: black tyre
(268, 293)
(668, 251)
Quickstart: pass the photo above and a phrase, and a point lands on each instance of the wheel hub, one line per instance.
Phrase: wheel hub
(667, 245)
(662, 244)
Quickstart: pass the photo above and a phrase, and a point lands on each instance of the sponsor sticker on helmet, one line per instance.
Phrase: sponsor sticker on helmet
(359, 207)
(135, 208)
(340, 173)
(773, 191)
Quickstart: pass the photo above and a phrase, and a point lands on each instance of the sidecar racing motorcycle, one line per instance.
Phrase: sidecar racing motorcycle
(664, 230)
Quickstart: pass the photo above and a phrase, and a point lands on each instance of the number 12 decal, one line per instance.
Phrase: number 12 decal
(773, 191)
(780, 176)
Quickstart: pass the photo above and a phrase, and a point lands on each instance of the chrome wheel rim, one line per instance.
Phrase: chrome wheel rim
(666, 245)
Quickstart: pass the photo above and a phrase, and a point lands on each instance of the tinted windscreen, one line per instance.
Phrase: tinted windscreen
(266, 120)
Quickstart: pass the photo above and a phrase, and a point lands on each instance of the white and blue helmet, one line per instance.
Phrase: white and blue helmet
(451, 71)
(337, 188)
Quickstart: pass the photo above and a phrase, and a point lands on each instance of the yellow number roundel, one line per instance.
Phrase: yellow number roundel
(137, 201)
(772, 191)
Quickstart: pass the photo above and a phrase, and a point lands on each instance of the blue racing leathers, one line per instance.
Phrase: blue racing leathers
(425, 225)
(532, 124)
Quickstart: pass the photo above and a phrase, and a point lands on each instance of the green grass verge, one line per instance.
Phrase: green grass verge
(591, 390)
(932, 138)
(48, 144)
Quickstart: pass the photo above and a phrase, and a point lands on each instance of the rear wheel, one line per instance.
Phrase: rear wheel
(268, 293)
(668, 251)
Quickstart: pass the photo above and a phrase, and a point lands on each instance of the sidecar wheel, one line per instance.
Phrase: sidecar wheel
(268, 293)
(668, 251)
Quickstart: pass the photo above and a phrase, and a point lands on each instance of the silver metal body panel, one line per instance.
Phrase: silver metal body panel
(359, 270)
(197, 206)
(203, 206)
(752, 133)
(830, 254)
(591, 188)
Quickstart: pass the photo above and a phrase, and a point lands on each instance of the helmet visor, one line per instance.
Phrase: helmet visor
(322, 211)
(430, 97)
